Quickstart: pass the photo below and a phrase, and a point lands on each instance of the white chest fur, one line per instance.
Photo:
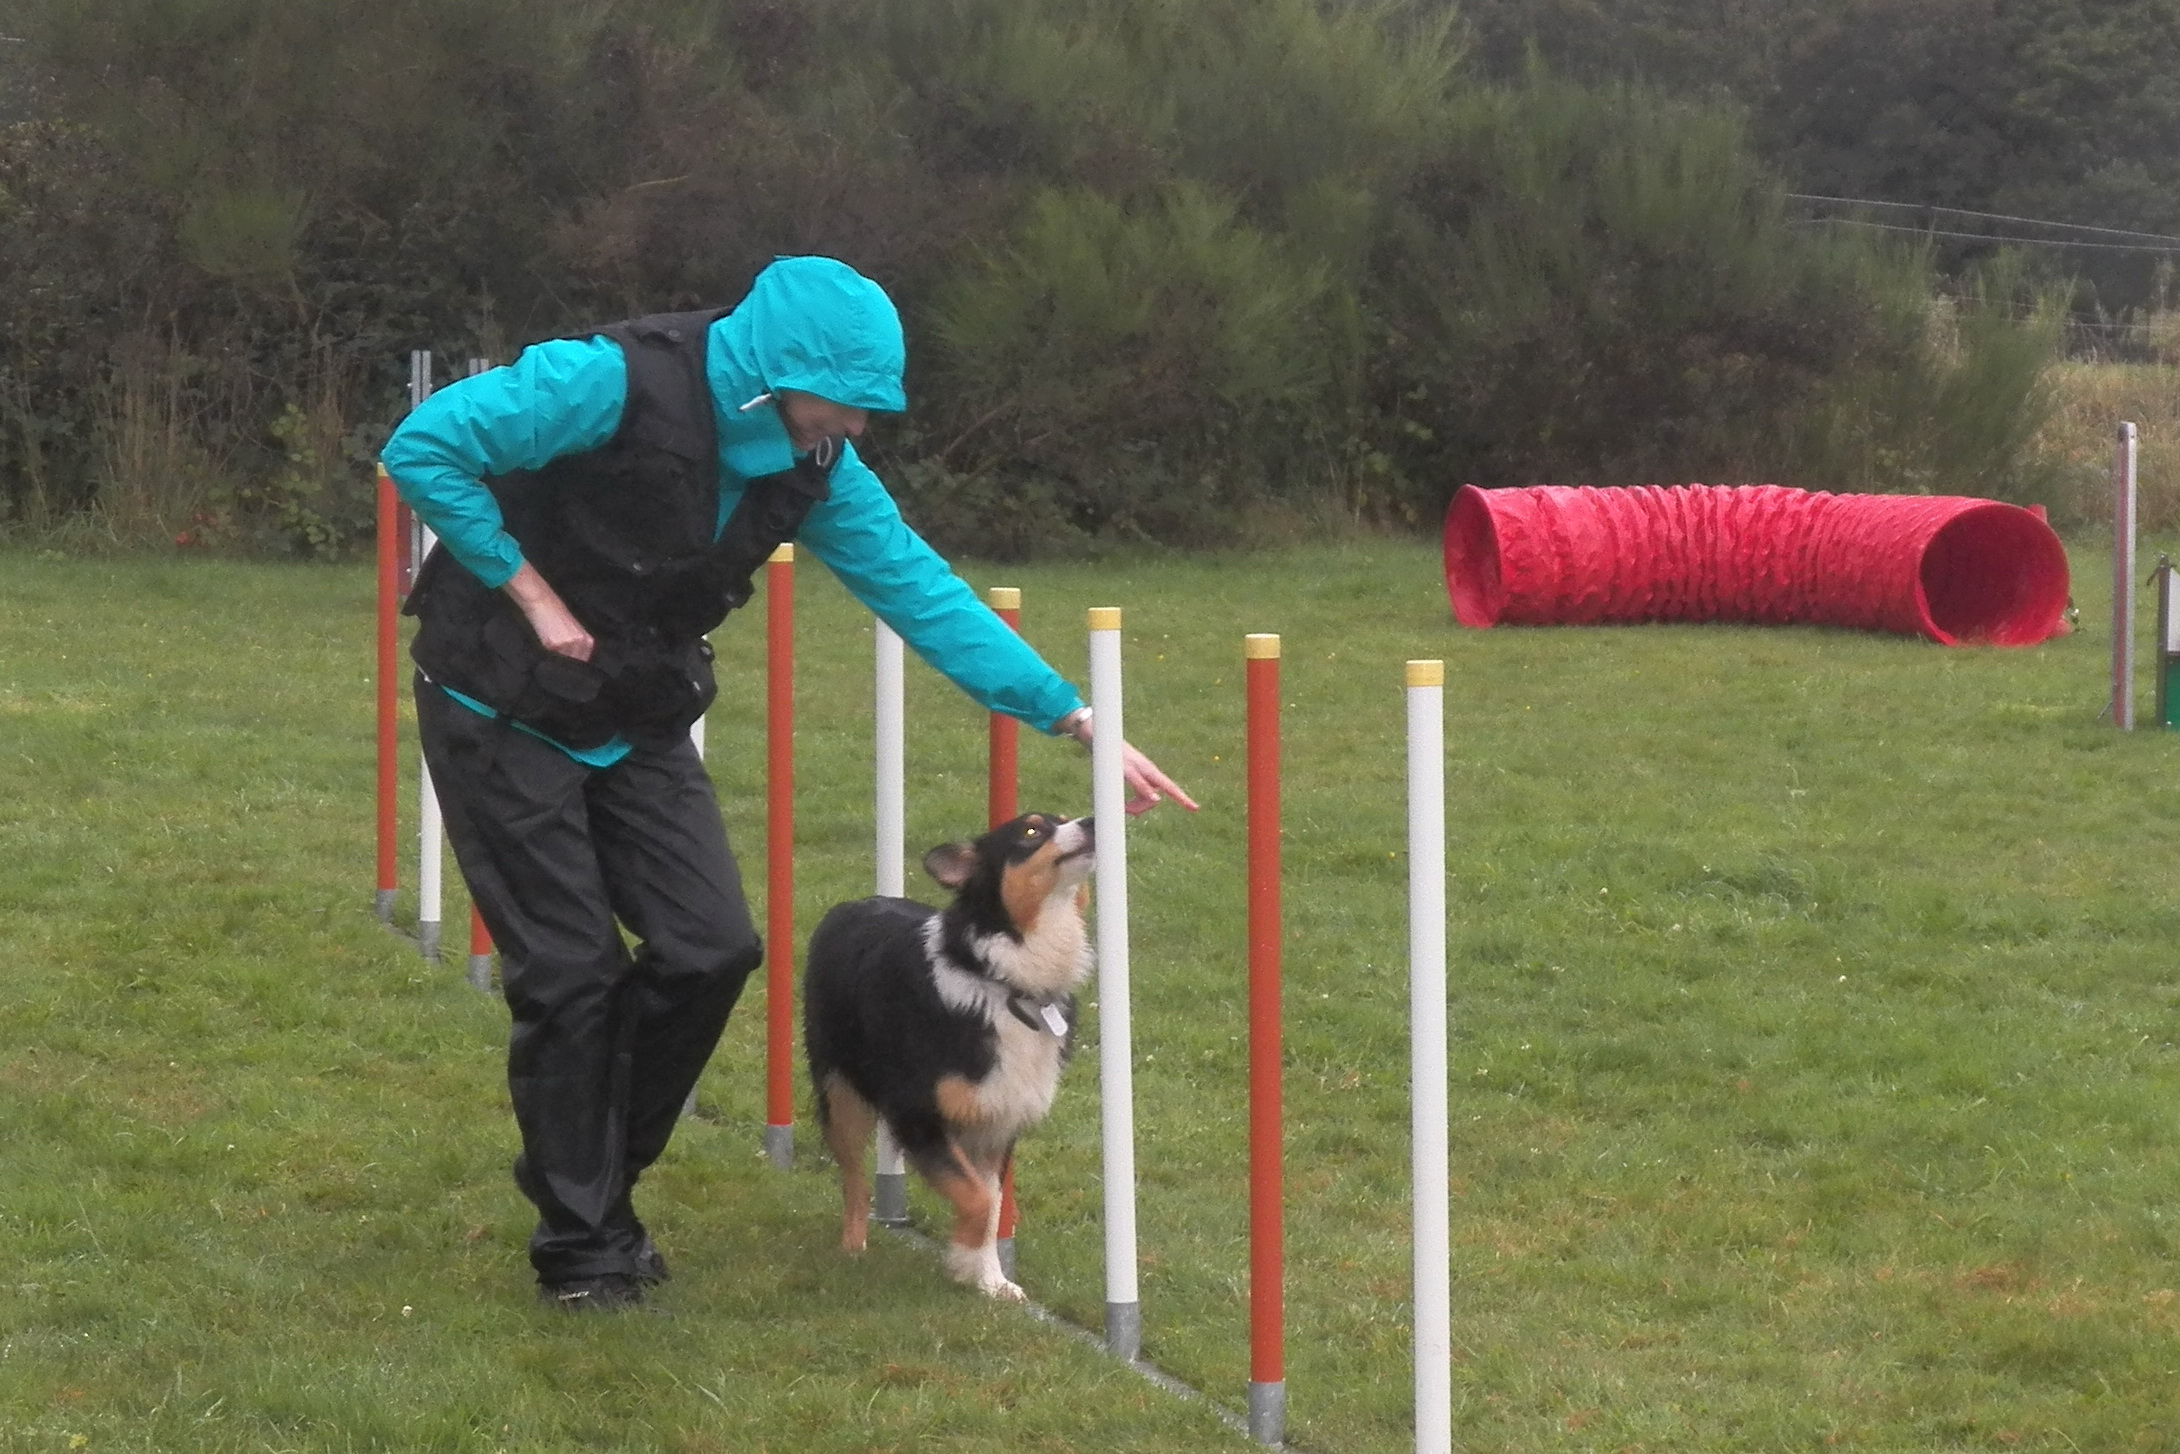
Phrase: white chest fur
(1025, 1075)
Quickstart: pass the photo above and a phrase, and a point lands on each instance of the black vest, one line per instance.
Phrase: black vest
(624, 533)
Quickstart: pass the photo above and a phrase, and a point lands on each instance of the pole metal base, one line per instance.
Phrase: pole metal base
(1268, 1413)
(890, 1206)
(480, 973)
(427, 939)
(382, 904)
(1005, 1246)
(780, 1147)
(1124, 1330)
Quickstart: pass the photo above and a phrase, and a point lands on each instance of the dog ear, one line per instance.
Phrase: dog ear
(951, 864)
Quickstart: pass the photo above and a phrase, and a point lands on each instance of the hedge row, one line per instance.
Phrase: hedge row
(1164, 262)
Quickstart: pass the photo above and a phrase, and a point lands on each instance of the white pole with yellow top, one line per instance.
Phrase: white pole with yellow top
(1427, 1056)
(1116, 1089)
(431, 834)
(889, 742)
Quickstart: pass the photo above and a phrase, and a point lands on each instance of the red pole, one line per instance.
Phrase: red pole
(1004, 779)
(480, 950)
(1006, 603)
(780, 856)
(389, 663)
(1267, 1356)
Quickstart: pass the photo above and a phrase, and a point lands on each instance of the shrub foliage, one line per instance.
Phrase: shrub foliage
(1164, 262)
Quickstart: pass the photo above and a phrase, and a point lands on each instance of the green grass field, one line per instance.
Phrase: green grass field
(1813, 1013)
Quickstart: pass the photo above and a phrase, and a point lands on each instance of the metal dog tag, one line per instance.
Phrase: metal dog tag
(1055, 1021)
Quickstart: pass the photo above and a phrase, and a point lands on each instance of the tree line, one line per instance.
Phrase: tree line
(1167, 265)
(2044, 109)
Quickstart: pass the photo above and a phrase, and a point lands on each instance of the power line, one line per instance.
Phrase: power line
(1987, 216)
(1993, 236)
(2111, 325)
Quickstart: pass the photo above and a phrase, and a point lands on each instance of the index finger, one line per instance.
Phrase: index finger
(1163, 786)
(1172, 790)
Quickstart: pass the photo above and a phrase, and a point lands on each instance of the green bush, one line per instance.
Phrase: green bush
(1600, 285)
(1165, 265)
(73, 235)
(1136, 361)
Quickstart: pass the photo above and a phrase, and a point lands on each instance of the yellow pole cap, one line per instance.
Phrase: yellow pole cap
(783, 555)
(1426, 673)
(1004, 598)
(1105, 618)
(1260, 646)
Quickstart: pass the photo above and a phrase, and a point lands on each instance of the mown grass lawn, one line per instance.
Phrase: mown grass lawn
(1814, 1049)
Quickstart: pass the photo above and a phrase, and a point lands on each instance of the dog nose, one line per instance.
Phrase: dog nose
(1089, 827)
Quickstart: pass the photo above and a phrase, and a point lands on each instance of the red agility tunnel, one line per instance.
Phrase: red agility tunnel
(1954, 569)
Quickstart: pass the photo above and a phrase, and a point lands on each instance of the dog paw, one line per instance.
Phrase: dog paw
(978, 1267)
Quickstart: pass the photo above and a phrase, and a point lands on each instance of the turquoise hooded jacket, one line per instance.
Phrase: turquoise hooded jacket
(809, 324)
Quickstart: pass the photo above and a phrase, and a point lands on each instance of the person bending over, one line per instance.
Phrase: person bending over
(601, 504)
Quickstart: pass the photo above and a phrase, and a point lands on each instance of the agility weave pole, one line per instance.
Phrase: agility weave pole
(429, 833)
(1267, 1225)
(779, 1137)
(1002, 794)
(1116, 1065)
(480, 939)
(2122, 706)
(401, 545)
(394, 525)
(889, 815)
(388, 692)
(1427, 1056)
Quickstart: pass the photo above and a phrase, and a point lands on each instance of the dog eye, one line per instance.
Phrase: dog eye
(1029, 832)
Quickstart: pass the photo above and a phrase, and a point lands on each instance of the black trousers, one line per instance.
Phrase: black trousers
(606, 1043)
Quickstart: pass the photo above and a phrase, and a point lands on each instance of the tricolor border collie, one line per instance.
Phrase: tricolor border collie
(951, 1025)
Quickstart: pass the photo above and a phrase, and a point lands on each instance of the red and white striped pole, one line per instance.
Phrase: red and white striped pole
(389, 666)
(780, 857)
(1003, 780)
(1267, 1229)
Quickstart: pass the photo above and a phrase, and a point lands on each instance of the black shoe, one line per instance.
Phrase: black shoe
(650, 1267)
(610, 1292)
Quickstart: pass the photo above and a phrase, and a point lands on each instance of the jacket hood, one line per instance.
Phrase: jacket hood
(818, 326)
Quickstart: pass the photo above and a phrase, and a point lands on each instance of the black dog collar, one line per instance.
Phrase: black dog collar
(1019, 1006)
